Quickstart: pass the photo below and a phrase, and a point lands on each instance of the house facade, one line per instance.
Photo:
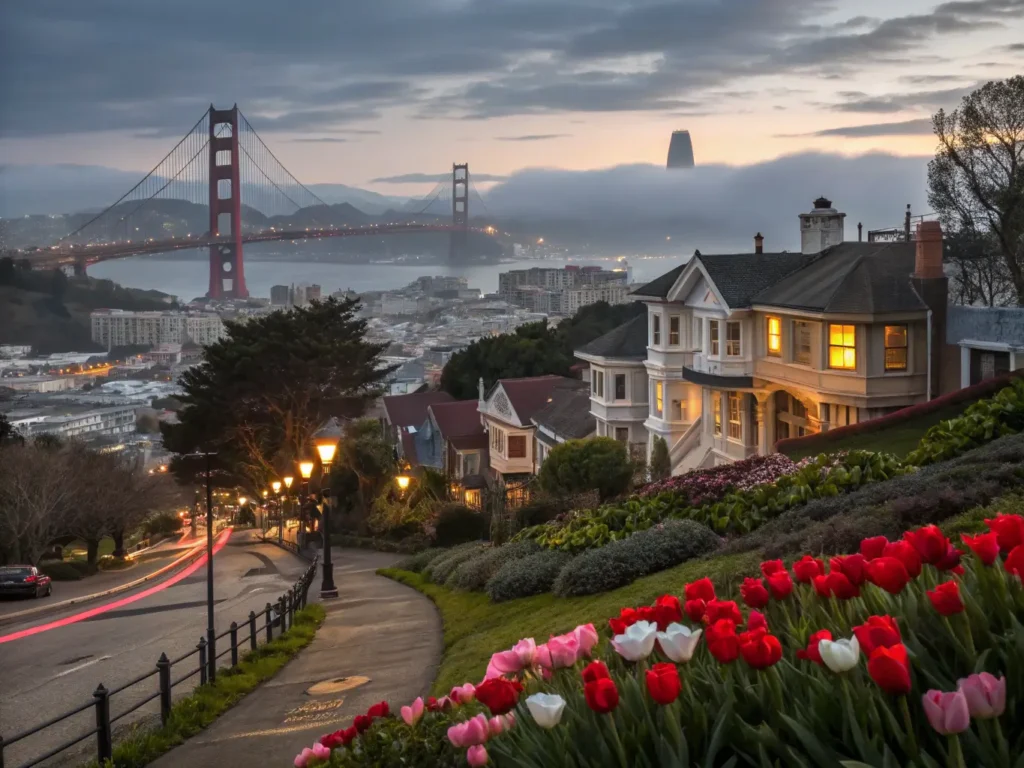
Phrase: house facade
(566, 417)
(746, 349)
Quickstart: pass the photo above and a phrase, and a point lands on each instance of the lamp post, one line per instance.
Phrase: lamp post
(288, 480)
(241, 505)
(326, 440)
(306, 471)
(276, 487)
(263, 515)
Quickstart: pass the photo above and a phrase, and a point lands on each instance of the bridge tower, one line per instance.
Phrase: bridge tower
(227, 270)
(459, 243)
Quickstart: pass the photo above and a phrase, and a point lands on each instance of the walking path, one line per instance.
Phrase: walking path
(381, 641)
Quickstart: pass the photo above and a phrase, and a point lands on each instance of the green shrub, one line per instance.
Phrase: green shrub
(473, 574)
(575, 466)
(623, 562)
(416, 563)
(165, 522)
(62, 571)
(457, 524)
(661, 463)
(540, 511)
(439, 569)
(527, 576)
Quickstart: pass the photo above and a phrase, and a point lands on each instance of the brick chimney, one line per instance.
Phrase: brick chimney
(929, 280)
(928, 259)
(758, 243)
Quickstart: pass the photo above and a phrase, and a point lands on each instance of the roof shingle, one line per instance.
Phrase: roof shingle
(411, 410)
(568, 412)
(458, 418)
(628, 340)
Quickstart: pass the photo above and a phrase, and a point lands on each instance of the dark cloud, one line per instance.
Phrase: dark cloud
(431, 178)
(898, 102)
(919, 127)
(930, 79)
(1014, 48)
(535, 137)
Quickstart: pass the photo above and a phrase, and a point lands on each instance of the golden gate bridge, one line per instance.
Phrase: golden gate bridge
(223, 163)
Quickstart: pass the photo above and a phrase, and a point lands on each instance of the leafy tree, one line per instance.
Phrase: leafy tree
(976, 181)
(577, 466)
(8, 434)
(263, 389)
(661, 464)
(364, 453)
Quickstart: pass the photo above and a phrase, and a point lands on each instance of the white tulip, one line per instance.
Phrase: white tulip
(637, 641)
(840, 655)
(546, 709)
(679, 642)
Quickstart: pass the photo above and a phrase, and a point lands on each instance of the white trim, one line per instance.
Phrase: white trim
(989, 346)
(675, 293)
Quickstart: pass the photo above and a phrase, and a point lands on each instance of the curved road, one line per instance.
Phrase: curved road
(50, 672)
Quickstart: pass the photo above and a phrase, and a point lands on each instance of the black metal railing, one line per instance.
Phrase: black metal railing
(278, 614)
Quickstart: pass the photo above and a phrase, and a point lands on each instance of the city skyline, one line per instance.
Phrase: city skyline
(382, 95)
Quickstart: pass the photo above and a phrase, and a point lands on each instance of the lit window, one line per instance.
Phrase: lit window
(842, 347)
(895, 347)
(659, 397)
(801, 342)
(732, 339)
(713, 332)
(774, 336)
(673, 331)
(716, 406)
(735, 428)
(655, 330)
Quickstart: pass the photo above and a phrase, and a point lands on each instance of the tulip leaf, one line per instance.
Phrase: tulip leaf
(818, 751)
(718, 735)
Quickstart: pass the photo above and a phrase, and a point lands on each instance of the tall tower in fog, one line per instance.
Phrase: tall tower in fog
(680, 150)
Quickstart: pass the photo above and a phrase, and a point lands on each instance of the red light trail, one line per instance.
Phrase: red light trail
(218, 545)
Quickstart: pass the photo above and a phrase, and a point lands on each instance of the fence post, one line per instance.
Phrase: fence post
(270, 622)
(104, 741)
(281, 611)
(163, 666)
(252, 630)
(234, 643)
(291, 607)
(201, 645)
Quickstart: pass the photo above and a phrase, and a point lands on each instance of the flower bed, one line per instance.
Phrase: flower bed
(909, 651)
(704, 486)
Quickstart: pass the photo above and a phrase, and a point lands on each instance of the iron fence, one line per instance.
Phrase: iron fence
(280, 614)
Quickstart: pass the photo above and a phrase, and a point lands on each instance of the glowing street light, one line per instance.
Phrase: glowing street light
(326, 440)
(403, 482)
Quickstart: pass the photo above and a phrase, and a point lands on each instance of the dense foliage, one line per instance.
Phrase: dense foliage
(576, 466)
(533, 349)
(457, 524)
(531, 575)
(473, 574)
(661, 463)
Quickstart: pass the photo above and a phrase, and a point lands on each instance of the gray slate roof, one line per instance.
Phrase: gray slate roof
(568, 414)
(852, 277)
(660, 286)
(628, 340)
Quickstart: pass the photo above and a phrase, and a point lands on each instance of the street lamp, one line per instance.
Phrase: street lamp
(276, 486)
(306, 471)
(403, 482)
(288, 480)
(326, 440)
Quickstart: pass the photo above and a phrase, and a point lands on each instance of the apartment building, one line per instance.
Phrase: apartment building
(120, 328)
(562, 291)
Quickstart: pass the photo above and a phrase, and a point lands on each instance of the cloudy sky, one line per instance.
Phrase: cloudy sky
(378, 93)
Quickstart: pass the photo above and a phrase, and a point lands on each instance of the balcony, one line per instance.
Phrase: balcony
(720, 381)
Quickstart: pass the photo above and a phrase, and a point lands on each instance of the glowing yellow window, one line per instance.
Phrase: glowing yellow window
(774, 336)
(842, 347)
(659, 397)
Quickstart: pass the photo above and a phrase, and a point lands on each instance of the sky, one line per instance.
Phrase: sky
(382, 93)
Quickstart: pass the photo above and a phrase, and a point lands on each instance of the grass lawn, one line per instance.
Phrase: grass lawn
(899, 439)
(474, 627)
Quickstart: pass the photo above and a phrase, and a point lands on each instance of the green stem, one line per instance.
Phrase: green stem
(1004, 747)
(968, 637)
(908, 723)
(956, 755)
(618, 743)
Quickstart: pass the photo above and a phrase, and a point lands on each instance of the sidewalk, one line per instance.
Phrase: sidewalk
(383, 636)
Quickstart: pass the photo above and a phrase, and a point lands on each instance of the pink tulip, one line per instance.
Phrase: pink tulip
(496, 725)
(564, 649)
(320, 752)
(587, 638)
(413, 713)
(542, 658)
(477, 755)
(985, 694)
(463, 694)
(947, 712)
(302, 759)
(518, 658)
(472, 731)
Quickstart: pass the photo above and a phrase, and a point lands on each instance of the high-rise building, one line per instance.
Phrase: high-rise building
(120, 328)
(680, 150)
(280, 295)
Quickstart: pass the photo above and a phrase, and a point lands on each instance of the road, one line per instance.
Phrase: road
(50, 672)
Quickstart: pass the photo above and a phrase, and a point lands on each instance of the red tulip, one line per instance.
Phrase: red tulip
(663, 683)
(890, 669)
(722, 641)
(836, 583)
(695, 609)
(946, 598)
(595, 670)
(877, 632)
(759, 649)
(806, 568)
(1009, 529)
(851, 566)
(1015, 561)
(768, 567)
(873, 547)
(362, 722)
(753, 593)
(756, 619)
(984, 545)
(379, 710)
(811, 652)
(951, 560)
(780, 584)
(702, 589)
(667, 610)
(723, 609)
(498, 694)
(627, 618)
(931, 543)
(906, 553)
(602, 696)
(888, 573)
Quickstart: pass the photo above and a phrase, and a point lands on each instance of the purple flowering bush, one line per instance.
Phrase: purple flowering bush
(705, 486)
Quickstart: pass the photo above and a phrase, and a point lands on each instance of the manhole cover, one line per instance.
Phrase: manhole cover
(336, 685)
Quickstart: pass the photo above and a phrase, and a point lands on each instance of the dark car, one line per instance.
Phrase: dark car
(24, 580)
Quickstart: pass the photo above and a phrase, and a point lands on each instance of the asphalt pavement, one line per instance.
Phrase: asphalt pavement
(48, 673)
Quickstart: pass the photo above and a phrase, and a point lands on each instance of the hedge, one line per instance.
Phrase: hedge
(527, 576)
(473, 574)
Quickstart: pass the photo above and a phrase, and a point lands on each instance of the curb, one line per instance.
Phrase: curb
(197, 551)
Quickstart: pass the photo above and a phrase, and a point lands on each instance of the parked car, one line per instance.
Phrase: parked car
(24, 580)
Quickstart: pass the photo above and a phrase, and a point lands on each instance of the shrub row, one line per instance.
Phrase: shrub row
(532, 575)
(622, 562)
(439, 569)
(473, 574)
(417, 562)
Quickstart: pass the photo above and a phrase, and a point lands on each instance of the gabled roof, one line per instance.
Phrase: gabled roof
(528, 395)
(568, 413)
(740, 276)
(411, 410)
(852, 277)
(660, 286)
(627, 341)
(458, 418)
